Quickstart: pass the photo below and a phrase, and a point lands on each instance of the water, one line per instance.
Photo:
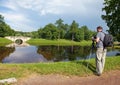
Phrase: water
(35, 54)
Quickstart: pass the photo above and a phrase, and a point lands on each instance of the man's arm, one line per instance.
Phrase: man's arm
(97, 39)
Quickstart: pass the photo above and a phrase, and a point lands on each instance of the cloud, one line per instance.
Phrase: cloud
(16, 20)
(43, 7)
(32, 14)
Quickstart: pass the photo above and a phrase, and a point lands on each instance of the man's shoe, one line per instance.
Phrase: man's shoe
(98, 74)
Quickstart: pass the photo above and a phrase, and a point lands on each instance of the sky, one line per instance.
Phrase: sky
(30, 15)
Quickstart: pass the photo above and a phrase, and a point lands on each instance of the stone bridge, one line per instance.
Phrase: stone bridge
(19, 39)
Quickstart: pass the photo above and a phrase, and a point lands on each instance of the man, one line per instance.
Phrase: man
(101, 51)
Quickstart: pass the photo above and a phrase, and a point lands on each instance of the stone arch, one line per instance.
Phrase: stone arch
(18, 41)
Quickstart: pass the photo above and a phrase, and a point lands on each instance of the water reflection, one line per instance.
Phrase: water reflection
(17, 45)
(5, 51)
(63, 53)
(33, 54)
(24, 55)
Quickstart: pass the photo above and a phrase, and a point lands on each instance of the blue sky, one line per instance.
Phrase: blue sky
(30, 15)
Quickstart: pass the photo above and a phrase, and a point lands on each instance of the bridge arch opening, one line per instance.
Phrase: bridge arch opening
(18, 41)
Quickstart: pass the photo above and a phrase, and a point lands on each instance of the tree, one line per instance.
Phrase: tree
(80, 35)
(49, 31)
(112, 17)
(40, 32)
(5, 29)
(35, 34)
(73, 29)
(59, 23)
(60, 26)
(1, 19)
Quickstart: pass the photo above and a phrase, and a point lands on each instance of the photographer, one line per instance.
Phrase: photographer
(101, 51)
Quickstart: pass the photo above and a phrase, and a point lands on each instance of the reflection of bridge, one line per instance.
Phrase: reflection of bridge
(14, 38)
(17, 45)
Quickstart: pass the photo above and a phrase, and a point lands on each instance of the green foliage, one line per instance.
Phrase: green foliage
(1, 19)
(73, 29)
(87, 33)
(50, 31)
(5, 29)
(112, 17)
(61, 28)
(64, 31)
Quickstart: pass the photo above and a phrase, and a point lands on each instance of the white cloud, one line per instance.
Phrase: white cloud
(10, 5)
(18, 21)
(24, 13)
(55, 6)
(14, 17)
(42, 7)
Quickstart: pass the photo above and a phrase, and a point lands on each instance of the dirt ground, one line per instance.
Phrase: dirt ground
(110, 78)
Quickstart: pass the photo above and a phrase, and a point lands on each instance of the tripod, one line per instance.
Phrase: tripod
(91, 52)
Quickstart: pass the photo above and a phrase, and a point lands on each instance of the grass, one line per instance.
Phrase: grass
(62, 42)
(4, 41)
(78, 68)
(57, 42)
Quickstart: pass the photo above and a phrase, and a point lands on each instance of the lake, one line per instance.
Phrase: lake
(35, 54)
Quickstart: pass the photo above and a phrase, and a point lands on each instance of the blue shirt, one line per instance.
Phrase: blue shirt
(100, 35)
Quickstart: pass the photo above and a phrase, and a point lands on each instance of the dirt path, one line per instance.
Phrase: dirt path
(110, 78)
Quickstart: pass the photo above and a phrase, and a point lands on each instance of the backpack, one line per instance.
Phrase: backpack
(108, 40)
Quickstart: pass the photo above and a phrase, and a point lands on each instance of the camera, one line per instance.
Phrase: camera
(93, 41)
(94, 37)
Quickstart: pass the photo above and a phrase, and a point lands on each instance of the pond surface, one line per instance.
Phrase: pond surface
(35, 54)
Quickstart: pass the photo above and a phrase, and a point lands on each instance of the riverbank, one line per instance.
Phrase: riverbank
(61, 42)
(4, 41)
(58, 42)
(73, 68)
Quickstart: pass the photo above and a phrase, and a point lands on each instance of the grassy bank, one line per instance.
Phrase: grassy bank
(78, 68)
(4, 41)
(57, 42)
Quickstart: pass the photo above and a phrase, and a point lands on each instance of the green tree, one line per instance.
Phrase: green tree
(73, 29)
(50, 31)
(112, 17)
(2, 26)
(40, 32)
(35, 34)
(61, 28)
(80, 35)
(5, 29)
(1, 19)
(87, 33)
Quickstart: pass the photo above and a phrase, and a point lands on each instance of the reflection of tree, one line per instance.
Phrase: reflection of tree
(63, 53)
(46, 51)
(60, 54)
(5, 51)
(77, 51)
(52, 52)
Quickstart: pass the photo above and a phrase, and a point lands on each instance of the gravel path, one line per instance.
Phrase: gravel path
(110, 78)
